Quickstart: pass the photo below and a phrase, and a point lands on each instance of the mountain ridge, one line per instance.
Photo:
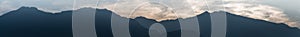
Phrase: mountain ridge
(34, 8)
(30, 22)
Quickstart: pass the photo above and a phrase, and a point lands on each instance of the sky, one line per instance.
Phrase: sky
(278, 11)
(290, 7)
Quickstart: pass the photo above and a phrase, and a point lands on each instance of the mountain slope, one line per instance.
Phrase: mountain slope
(239, 26)
(31, 22)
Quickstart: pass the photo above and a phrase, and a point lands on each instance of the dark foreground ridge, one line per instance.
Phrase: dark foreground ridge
(31, 22)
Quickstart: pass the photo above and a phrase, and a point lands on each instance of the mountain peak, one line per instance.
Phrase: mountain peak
(27, 8)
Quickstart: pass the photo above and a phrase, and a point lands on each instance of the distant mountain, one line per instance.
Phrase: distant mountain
(31, 22)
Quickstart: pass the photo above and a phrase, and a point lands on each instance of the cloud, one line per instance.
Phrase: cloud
(158, 10)
(258, 11)
(6, 6)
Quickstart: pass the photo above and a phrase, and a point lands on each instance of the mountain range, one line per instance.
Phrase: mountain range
(31, 22)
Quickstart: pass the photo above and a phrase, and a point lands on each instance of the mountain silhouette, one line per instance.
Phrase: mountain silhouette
(31, 22)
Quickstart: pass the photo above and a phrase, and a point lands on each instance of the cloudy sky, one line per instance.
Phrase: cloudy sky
(290, 7)
(278, 11)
